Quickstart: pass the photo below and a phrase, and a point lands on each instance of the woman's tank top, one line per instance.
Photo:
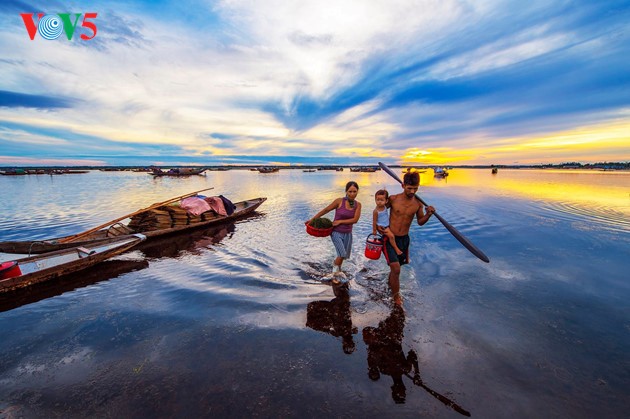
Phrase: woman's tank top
(342, 213)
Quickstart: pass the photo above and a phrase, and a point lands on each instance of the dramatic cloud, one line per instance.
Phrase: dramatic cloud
(461, 82)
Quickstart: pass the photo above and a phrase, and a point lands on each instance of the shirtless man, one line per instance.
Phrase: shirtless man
(404, 206)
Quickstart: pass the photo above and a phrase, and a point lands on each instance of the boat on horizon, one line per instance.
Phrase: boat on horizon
(440, 172)
(184, 171)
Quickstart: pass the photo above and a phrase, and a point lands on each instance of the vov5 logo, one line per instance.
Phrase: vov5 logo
(51, 26)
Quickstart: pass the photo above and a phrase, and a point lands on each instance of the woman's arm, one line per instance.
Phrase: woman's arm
(334, 204)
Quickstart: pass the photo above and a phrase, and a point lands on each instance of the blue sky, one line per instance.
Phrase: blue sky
(425, 82)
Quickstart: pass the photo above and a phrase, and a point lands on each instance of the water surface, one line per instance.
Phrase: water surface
(236, 320)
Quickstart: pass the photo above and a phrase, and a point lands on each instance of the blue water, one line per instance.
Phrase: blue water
(236, 320)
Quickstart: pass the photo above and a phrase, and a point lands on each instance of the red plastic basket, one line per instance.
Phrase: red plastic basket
(373, 247)
(318, 232)
(9, 270)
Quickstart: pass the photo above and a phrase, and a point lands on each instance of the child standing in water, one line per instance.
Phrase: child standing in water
(380, 218)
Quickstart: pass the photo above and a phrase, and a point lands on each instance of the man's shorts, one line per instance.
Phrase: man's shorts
(403, 244)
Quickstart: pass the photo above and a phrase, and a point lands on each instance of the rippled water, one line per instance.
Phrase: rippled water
(236, 320)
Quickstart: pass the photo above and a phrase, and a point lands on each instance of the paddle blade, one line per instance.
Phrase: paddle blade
(463, 239)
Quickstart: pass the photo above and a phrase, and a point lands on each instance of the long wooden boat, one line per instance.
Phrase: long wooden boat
(179, 222)
(177, 172)
(23, 272)
(268, 169)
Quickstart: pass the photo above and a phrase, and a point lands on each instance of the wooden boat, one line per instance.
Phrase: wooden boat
(268, 169)
(21, 273)
(364, 169)
(185, 171)
(177, 221)
(440, 172)
(13, 172)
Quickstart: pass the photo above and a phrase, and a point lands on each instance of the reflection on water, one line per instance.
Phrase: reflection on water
(604, 197)
(386, 356)
(239, 319)
(333, 317)
(102, 272)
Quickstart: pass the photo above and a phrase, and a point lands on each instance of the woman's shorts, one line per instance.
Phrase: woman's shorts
(343, 243)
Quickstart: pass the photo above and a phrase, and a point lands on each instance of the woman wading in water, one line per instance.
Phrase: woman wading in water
(347, 213)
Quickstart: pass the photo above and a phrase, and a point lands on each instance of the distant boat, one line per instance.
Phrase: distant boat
(268, 169)
(365, 169)
(13, 172)
(495, 170)
(185, 171)
(440, 172)
(309, 170)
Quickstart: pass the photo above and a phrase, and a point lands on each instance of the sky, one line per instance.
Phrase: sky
(426, 82)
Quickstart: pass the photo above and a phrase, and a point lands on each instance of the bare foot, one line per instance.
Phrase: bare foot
(398, 299)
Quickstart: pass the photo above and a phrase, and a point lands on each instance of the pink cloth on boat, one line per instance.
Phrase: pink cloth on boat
(194, 205)
(216, 204)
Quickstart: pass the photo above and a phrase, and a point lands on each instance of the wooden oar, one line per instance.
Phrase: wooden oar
(448, 402)
(459, 236)
(159, 204)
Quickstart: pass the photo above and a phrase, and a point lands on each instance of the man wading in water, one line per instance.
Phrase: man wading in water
(404, 206)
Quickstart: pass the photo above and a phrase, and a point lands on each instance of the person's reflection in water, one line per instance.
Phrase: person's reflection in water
(385, 352)
(386, 356)
(333, 317)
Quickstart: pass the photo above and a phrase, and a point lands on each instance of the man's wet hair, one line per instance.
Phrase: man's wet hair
(412, 179)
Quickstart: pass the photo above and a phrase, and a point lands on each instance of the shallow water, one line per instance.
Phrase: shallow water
(237, 321)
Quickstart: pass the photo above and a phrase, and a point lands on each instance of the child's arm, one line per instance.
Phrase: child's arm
(374, 218)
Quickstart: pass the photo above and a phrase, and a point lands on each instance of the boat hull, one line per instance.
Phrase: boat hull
(243, 208)
(51, 265)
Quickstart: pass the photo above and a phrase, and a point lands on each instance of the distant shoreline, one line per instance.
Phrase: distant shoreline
(597, 167)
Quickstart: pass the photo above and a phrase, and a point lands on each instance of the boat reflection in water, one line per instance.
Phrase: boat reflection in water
(104, 271)
(173, 246)
(161, 247)
(385, 355)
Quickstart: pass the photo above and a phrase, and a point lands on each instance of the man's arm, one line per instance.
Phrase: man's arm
(390, 200)
(422, 217)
